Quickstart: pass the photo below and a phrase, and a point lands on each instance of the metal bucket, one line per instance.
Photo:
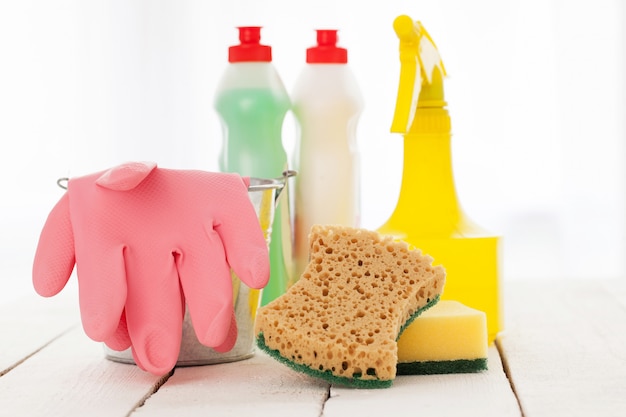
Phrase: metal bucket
(264, 195)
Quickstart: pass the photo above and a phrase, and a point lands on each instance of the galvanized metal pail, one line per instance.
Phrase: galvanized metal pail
(264, 195)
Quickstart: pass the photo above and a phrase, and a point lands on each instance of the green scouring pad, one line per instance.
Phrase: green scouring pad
(458, 366)
(327, 375)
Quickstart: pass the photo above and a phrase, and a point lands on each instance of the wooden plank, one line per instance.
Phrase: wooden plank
(71, 377)
(565, 348)
(482, 394)
(259, 386)
(28, 324)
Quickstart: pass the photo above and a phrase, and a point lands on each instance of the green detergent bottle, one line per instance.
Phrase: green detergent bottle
(252, 103)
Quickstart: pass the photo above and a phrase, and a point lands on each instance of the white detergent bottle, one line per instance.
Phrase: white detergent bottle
(326, 103)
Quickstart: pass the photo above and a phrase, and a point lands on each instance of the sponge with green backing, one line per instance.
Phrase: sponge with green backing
(448, 338)
(341, 319)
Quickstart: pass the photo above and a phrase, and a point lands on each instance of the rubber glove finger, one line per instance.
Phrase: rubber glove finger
(205, 278)
(120, 340)
(54, 257)
(138, 361)
(102, 290)
(231, 338)
(244, 243)
(136, 358)
(154, 313)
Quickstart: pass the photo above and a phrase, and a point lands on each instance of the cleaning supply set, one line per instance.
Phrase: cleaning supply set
(306, 327)
(134, 224)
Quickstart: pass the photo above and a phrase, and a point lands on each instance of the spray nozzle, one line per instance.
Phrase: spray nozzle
(421, 73)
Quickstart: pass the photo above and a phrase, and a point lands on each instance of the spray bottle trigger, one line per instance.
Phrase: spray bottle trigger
(419, 58)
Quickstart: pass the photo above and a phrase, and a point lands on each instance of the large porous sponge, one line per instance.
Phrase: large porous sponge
(342, 318)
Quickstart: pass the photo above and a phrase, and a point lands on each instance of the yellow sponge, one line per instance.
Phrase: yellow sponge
(448, 338)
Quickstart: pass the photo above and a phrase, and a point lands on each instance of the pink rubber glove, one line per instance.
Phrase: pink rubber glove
(145, 240)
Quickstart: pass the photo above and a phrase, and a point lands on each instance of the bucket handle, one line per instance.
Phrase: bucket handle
(278, 184)
(275, 184)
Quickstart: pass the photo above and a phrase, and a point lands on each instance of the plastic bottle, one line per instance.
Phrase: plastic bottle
(252, 102)
(428, 214)
(327, 104)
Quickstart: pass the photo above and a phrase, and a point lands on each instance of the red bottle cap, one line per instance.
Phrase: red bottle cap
(250, 48)
(326, 51)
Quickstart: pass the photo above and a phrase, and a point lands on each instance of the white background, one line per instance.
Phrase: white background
(536, 92)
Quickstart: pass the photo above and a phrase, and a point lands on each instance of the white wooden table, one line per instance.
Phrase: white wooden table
(563, 353)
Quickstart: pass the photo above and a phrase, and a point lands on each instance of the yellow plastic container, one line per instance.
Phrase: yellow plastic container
(428, 214)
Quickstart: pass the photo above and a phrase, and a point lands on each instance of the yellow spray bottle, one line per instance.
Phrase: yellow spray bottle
(428, 214)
